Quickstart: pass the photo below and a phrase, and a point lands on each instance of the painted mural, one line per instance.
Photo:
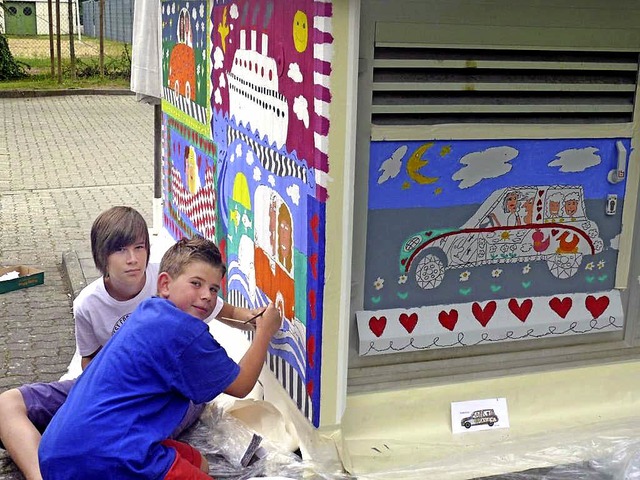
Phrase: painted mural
(189, 173)
(254, 178)
(472, 242)
(184, 60)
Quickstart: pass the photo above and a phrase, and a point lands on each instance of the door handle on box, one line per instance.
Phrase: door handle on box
(617, 174)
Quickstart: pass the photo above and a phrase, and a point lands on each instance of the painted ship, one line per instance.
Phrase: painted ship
(254, 98)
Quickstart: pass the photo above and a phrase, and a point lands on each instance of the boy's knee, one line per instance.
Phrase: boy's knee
(12, 402)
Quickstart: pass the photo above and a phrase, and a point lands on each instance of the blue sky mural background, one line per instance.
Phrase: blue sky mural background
(523, 162)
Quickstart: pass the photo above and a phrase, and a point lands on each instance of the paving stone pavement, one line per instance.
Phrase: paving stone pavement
(63, 160)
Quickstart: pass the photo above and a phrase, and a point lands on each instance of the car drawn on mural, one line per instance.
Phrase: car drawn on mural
(480, 417)
(514, 224)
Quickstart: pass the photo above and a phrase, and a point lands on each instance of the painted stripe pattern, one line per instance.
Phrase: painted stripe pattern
(271, 159)
(195, 111)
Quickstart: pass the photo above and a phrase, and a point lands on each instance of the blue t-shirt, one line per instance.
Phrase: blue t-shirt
(132, 396)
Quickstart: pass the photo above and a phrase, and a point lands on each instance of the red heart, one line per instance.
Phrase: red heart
(561, 307)
(554, 231)
(522, 310)
(448, 319)
(483, 314)
(313, 261)
(538, 217)
(377, 325)
(311, 349)
(310, 387)
(314, 223)
(596, 306)
(409, 322)
(312, 303)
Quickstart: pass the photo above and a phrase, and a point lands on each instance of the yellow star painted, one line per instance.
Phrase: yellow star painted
(223, 30)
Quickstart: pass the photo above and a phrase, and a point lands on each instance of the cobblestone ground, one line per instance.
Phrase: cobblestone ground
(62, 161)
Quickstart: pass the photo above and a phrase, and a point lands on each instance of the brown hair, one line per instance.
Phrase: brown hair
(115, 228)
(188, 250)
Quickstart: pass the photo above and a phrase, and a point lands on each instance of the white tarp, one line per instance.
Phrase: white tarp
(146, 65)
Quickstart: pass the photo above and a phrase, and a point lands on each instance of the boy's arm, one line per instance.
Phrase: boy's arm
(236, 313)
(253, 360)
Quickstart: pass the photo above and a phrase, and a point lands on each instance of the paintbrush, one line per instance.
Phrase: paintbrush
(244, 322)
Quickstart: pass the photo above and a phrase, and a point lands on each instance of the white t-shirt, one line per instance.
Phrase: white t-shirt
(98, 315)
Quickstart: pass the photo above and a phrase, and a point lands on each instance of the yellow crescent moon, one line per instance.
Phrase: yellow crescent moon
(416, 162)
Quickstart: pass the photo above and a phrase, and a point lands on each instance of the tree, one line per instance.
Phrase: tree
(10, 69)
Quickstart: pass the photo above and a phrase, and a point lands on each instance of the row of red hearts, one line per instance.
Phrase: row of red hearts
(484, 313)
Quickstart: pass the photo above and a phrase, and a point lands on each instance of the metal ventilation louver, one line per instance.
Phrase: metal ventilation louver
(416, 85)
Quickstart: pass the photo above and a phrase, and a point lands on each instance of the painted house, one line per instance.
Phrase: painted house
(440, 197)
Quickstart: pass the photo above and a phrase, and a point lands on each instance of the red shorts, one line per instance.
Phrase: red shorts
(187, 464)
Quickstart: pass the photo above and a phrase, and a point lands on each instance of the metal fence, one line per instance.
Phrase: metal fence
(118, 19)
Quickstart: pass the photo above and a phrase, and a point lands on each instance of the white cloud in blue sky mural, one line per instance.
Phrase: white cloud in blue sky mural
(490, 163)
(576, 159)
(390, 168)
(294, 193)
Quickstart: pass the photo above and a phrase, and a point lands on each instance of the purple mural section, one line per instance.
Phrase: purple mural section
(252, 184)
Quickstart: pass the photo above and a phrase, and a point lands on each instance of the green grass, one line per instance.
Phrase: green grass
(33, 53)
(45, 82)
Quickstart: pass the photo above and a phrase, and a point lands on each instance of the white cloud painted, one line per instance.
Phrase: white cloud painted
(490, 163)
(217, 96)
(294, 73)
(257, 175)
(301, 109)
(576, 159)
(218, 58)
(294, 192)
(233, 11)
(390, 168)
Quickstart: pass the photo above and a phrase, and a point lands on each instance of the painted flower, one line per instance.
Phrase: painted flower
(496, 273)
(601, 264)
(402, 279)
(589, 266)
(464, 276)
(526, 269)
(379, 283)
(505, 235)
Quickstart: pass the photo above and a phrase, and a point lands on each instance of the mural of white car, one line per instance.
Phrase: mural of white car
(514, 224)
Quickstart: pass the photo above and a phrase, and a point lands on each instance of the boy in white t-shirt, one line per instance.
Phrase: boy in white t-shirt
(120, 247)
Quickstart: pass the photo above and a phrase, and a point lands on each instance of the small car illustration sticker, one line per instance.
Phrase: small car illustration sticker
(480, 417)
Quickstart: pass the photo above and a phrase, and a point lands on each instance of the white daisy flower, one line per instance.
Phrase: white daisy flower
(464, 276)
(601, 264)
(496, 273)
(589, 266)
(526, 269)
(379, 283)
(402, 279)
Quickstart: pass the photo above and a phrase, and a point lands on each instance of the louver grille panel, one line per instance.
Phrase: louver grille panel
(424, 86)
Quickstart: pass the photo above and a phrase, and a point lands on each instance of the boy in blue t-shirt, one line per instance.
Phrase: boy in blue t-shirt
(121, 411)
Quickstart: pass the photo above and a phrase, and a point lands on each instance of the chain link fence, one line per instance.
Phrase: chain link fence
(63, 38)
